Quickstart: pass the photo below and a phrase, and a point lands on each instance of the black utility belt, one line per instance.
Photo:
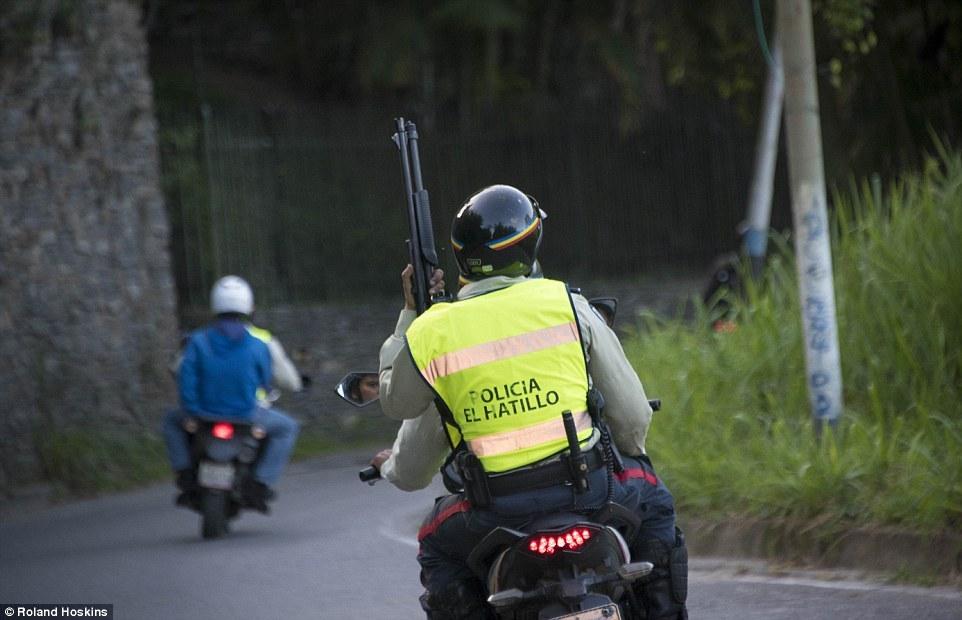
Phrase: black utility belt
(542, 476)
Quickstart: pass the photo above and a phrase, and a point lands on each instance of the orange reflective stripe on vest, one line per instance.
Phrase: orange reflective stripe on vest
(463, 359)
(510, 441)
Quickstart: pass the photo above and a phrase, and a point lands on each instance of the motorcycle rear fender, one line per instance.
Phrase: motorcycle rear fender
(493, 546)
(601, 566)
(222, 451)
(617, 516)
(496, 540)
(242, 446)
(502, 537)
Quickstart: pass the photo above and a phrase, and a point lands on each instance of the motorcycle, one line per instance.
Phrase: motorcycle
(223, 454)
(564, 566)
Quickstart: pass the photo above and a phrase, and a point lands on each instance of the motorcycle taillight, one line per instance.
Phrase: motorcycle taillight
(222, 430)
(572, 540)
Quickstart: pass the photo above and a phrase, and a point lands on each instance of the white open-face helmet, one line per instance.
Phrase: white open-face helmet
(232, 294)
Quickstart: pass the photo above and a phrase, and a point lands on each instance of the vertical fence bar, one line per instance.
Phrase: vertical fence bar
(205, 115)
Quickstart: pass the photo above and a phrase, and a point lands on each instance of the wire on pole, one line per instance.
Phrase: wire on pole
(760, 30)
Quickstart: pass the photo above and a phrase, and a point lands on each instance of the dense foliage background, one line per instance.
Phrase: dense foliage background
(631, 120)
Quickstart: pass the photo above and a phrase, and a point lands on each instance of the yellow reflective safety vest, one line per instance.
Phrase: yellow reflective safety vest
(264, 336)
(506, 364)
(260, 333)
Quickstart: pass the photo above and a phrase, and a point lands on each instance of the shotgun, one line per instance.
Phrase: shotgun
(421, 249)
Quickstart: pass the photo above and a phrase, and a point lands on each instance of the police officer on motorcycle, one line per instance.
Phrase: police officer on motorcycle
(500, 365)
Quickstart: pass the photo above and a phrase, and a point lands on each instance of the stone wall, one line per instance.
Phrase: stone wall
(327, 341)
(87, 316)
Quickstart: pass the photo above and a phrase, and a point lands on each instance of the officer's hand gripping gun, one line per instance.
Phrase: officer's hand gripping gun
(421, 248)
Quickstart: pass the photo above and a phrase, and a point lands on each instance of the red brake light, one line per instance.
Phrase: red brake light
(547, 544)
(223, 430)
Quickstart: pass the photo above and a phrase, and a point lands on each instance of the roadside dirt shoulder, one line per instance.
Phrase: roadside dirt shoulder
(895, 554)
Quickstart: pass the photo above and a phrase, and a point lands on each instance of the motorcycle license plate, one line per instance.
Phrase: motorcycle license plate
(216, 476)
(605, 612)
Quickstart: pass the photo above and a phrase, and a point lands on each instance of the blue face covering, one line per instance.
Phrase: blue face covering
(232, 328)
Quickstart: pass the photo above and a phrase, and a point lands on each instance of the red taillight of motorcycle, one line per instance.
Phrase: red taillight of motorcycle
(222, 430)
(572, 540)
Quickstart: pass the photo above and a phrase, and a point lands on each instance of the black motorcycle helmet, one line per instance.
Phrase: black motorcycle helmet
(497, 233)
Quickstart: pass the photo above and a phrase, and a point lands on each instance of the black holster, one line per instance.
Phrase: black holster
(475, 479)
(578, 471)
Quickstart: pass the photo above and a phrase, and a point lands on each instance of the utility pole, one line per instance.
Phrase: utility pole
(755, 232)
(809, 213)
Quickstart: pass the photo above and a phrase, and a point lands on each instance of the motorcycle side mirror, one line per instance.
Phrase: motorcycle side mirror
(607, 307)
(359, 388)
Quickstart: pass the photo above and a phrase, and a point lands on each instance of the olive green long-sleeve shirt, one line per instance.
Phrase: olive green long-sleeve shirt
(422, 445)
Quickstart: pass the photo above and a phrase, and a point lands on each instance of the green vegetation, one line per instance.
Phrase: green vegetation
(84, 462)
(736, 436)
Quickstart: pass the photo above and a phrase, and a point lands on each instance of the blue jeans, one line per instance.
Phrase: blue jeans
(453, 528)
(281, 434)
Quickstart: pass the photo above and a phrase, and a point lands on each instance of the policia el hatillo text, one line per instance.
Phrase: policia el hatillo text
(498, 401)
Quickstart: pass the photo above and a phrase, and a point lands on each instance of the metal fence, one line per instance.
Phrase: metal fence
(309, 205)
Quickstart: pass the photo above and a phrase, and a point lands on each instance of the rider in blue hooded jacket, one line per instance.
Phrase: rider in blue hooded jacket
(223, 367)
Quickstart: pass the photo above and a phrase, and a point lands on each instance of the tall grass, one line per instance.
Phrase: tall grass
(736, 435)
(81, 462)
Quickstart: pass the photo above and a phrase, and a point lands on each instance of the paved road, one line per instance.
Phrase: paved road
(335, 549)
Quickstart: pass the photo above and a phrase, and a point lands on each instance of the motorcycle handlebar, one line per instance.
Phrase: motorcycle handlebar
(369, 474)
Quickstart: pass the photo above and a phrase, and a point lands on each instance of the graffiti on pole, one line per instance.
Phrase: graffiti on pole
(818, 305)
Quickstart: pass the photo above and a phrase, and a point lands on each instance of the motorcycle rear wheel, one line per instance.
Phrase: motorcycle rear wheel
(213, 511)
